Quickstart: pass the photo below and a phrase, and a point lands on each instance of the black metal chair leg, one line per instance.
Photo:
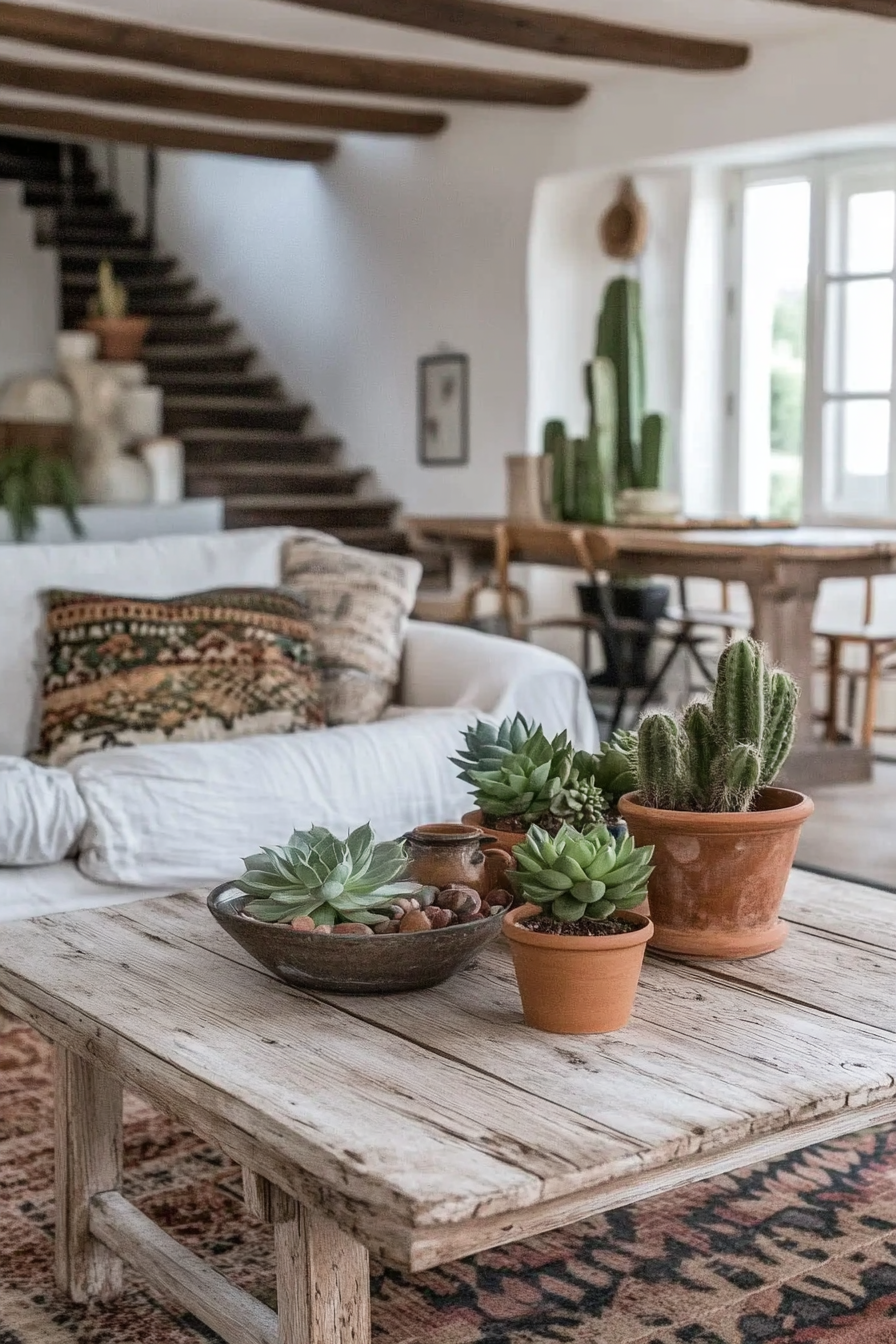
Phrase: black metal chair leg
(619, 709)
(660, 676)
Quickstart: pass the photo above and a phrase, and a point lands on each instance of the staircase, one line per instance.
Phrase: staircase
(245, 439)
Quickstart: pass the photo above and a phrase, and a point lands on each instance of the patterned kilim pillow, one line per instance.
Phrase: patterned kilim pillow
(233, 662)
(357, 603)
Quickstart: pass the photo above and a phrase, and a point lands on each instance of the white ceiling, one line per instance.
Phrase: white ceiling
(283, 23)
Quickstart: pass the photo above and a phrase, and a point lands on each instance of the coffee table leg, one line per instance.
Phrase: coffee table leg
(323, 1281)
(88, 1163)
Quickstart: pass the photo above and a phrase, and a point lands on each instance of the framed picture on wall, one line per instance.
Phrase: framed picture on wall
(443, 402)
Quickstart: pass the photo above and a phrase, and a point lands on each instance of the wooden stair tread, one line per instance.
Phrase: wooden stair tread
(87, 280)
(191, 354)
(120, 253)
(299, 471)
(350, 504)
(202, 402)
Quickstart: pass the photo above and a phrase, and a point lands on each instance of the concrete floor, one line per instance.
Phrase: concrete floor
(853, 829)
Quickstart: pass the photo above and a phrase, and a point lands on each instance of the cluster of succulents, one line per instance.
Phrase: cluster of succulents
(319, 884)
(517, 773)
(718, 755)
(326, 880)
(521, 777)
(578, 875)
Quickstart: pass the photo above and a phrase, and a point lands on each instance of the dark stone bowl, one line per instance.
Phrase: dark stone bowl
(352, 964)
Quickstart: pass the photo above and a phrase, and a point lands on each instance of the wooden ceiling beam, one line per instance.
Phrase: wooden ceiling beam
(87, 126)
(112, 87)
(283, 65)
(884, 9)
(545, 30)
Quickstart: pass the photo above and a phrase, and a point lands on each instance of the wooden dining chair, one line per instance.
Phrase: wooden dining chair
(592, 551)
(877, 638)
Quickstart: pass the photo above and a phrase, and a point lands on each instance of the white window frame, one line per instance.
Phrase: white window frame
(820, 172)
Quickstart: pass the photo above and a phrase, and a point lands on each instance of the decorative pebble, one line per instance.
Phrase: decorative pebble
(302, 924)
(415, 921)
(352, 929)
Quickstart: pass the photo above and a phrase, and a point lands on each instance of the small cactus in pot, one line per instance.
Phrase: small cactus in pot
(120, 334)
(725, 837)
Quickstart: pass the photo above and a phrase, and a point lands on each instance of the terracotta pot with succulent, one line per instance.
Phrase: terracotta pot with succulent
(350, 890)
(120, 336)
(579, 944)
(521, 778)
(725, 839)
(30, 478)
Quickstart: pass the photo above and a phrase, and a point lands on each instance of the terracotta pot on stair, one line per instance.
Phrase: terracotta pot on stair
(719, 877)
(119, 337)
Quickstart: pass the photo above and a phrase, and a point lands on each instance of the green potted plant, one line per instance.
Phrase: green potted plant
(29, 479)
(120, 336)
(357, 894)
(724, 837)
(578, 943)
(520, 777)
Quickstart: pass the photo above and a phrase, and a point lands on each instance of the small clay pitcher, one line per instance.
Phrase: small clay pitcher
(446, 852)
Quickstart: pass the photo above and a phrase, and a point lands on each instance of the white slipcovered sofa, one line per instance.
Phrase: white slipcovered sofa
(119, 824)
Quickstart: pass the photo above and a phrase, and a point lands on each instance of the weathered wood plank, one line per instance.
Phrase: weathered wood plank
(88, 1161)
(323, 1282)
(714, 1060)
(526, 1127)
(313, 1079)
(830, 905)
(175, 1272)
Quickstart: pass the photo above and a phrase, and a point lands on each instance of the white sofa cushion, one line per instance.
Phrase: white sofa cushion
(184, 814)
(154, 567)
(54, 888)
(42, 814)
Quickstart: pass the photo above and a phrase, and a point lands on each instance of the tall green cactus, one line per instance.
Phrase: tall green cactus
(653, 434)
(720, 755)
(594, 499)
(620, 339)
(554, 440)
(661, 761)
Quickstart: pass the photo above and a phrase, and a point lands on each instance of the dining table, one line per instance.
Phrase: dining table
(783, 569)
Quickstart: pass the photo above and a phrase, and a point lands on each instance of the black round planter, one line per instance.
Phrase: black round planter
(643, 602)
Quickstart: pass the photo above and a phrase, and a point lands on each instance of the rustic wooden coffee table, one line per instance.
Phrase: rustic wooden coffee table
(427, 1126)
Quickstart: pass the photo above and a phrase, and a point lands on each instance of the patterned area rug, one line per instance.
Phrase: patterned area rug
(802, 1250)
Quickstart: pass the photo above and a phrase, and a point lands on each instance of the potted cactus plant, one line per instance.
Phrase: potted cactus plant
(520, 777)
(724, 836)
(578, 943)
(120, 336)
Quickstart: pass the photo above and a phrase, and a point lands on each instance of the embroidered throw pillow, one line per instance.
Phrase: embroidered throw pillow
(357, 602)
(232, 662)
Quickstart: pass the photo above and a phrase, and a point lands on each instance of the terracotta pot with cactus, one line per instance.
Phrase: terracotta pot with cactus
(120, 336)
(578, 944)
(724, 837)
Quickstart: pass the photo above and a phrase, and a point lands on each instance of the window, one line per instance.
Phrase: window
(812, 405)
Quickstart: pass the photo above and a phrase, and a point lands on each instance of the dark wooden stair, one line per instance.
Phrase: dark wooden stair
(245, 439)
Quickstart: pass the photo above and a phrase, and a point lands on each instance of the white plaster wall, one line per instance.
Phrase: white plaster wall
(345, 275)
(28, 292)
